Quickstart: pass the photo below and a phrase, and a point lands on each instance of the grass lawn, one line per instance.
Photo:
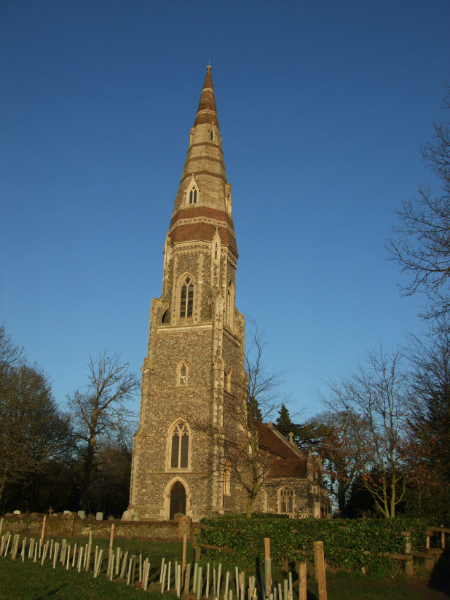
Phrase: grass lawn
(31, 581)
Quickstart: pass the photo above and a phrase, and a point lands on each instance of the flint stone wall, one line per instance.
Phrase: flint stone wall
(69, 526)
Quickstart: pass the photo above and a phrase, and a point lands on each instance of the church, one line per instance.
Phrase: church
(196, 359)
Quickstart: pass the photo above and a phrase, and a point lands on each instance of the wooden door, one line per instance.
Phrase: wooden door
(177, 499)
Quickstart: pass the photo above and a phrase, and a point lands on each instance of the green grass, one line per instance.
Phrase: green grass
(31, 581)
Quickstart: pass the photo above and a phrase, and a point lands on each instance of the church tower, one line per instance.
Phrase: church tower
(196, 341)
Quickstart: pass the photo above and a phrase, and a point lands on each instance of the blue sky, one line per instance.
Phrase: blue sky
(323, 107)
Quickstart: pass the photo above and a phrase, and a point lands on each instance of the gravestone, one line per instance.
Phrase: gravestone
(81, 514)
(99, 516)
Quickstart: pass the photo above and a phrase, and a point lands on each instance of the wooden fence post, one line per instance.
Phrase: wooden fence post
(303, 582)
(43, 528)
(319, 563)
(111, 539)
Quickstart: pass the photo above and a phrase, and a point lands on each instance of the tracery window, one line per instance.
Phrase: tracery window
(179, 452)
(286, 501)
(193, 196)
(187, 298)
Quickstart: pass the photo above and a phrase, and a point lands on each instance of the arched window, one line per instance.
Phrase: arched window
(193, 196)
(227, 478)
(182, 374)
(179, 452)
(286, 501)
(187, 298)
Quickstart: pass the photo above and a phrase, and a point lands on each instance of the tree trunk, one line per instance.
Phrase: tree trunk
(249, 507)
(3, 482)
(87, 471)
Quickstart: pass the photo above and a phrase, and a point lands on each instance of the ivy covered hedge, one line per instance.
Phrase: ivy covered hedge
(348, 544)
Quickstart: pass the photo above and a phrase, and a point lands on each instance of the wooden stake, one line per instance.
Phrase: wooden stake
(303, 582)
(319, 563)
(266, 547)
(43, 528)
(111, 539)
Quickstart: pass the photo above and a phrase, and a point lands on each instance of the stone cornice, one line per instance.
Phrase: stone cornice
(191, 220)
(194, 328)
(222, 177)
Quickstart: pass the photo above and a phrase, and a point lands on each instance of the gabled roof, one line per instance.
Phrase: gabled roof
(288, 460)
(271, 440)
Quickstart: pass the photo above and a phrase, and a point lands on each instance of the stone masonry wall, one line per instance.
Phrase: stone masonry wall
(73, 526)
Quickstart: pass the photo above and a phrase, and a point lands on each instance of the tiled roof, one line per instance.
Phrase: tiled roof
(287, 468)
(287, 463)
(269, 440)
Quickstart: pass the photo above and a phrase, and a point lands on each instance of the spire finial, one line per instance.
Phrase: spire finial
(209, 67)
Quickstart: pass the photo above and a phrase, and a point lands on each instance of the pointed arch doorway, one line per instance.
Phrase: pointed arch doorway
(177, 499)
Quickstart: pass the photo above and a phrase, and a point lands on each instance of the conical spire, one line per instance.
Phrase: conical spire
(203, 202)
(207, 112)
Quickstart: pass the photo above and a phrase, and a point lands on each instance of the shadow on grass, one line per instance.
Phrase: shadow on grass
(440, 578)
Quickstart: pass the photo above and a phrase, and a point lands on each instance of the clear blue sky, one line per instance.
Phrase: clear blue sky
(322, 107)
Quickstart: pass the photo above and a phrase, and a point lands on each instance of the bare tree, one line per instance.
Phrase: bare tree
(99, 411)
(422, 249)
(238, 435)
(342, 439)
(375, 394)
(32, 431)
(429, 422)
(10, 354)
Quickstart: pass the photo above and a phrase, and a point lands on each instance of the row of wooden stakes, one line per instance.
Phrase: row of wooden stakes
(208, 582)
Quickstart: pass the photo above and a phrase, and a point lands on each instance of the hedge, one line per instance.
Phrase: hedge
(348, 544)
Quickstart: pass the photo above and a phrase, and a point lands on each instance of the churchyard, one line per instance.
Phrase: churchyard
(31, 569)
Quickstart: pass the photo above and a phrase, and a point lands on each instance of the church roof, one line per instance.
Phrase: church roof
(287, 468)
(288, 460)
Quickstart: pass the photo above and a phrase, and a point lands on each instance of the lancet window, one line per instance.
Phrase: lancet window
(182, 374)
(229, 308)
(286, 501)
(179, 451)
(193, 196)
(186, 298)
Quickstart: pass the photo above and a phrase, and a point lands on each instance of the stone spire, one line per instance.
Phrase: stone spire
(203, 202)
(207, 112)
